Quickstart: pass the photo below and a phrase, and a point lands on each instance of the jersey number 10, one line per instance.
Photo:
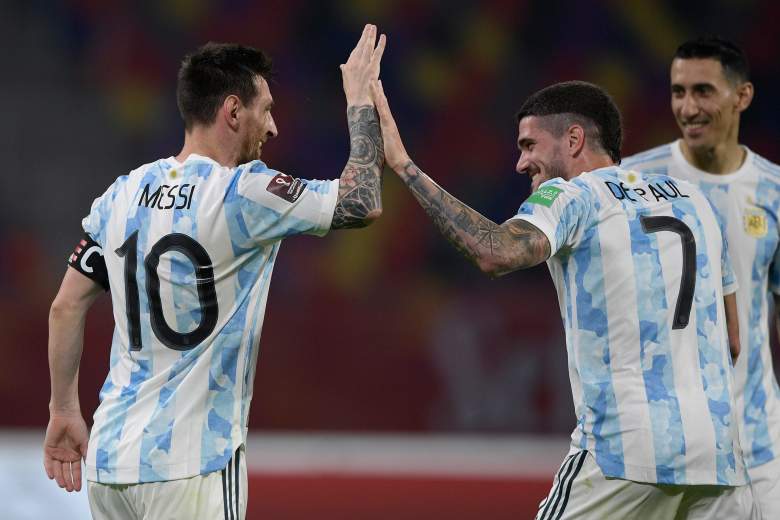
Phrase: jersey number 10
(204, 278)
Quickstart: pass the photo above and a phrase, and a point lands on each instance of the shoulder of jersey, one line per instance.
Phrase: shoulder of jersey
(649, 158)
(767, 168)
(257, 166)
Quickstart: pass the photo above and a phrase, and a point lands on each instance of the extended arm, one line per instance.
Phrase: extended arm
(360, 185)
(495, 249)
(66, 434)
(732, 325)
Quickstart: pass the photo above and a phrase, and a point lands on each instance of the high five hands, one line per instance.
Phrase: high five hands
(362, 67)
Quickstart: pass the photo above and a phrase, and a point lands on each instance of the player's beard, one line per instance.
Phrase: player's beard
(555, 169)
(250, 151)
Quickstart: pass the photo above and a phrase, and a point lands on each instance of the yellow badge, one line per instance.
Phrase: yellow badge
(173, 174)
(754, 220)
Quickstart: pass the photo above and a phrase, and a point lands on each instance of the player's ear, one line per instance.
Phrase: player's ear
(230, 111)
(575, 137)
(744, 96)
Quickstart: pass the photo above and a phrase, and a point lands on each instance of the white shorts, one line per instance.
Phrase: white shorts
(766, 487)
(581, 491)
(220, 495)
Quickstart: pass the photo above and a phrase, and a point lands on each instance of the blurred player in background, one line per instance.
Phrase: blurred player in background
(710, 90)
(188, 244)
(641, 270)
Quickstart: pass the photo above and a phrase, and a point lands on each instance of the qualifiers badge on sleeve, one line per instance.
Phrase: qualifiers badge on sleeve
(545, 196)
(286, 187)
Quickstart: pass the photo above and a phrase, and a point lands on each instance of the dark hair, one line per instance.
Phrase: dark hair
(731, 58)
(582, 103)
(213, 72)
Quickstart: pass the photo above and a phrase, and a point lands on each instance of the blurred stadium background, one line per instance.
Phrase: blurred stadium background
(394, 380)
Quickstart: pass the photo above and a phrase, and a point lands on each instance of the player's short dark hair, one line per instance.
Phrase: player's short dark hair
(583, 103)
(731, 57)
(213, 72)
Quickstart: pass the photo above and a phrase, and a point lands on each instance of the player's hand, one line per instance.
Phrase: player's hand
(362, 66)
(395, 153)
(64, 446)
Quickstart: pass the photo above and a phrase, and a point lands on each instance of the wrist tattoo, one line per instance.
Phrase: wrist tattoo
(360, 184)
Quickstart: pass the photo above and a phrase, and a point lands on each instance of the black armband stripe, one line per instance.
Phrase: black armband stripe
(88, 259)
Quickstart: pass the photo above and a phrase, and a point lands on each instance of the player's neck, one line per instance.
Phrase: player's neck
(720, 159)
(591, 161)
(209, 143)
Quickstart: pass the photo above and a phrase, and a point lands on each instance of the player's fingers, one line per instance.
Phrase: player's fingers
(47, 466)
(57, 473)
(376, 55)
(367, 43)
(380, 101)
(358, 50)
(75, 468)
(358, 47)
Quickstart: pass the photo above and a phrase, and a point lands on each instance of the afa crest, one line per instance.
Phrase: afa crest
(755, 222)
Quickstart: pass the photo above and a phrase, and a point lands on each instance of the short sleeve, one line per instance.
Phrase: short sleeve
(96, 222)
(274, 205)
(561, 210)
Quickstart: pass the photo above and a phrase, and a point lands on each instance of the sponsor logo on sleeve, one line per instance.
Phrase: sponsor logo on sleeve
(544, 196)
(286, 187)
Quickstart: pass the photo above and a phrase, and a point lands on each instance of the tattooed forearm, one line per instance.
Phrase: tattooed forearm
(360, 184)
(496, 249)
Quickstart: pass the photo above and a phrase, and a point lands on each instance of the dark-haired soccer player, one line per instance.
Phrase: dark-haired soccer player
(188, 245)
(711, 88)
(641, 270)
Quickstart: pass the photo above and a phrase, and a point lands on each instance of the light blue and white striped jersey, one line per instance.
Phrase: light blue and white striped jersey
(748, 201)
(189, 248)
(641, 268)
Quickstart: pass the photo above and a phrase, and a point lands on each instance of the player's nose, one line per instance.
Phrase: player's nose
(272, 131)
(689, 107)
(522, 166)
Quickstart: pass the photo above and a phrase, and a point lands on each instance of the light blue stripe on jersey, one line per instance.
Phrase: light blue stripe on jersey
(709, 332)
(249, 366)
(593, 353)
(656, 356)
(110, 436)
(754, 413)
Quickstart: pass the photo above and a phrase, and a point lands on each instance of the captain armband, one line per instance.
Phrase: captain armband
(88, 259)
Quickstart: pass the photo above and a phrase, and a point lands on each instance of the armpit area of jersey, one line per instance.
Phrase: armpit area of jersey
(87, 259)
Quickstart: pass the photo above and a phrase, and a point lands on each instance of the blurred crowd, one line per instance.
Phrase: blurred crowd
(382, 329)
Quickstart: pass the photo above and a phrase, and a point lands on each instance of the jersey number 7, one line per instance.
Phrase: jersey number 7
(204, 278)
(682, 310)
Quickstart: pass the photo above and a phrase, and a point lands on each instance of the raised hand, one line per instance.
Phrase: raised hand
(395, 153)
(64, 447)
(362, 66)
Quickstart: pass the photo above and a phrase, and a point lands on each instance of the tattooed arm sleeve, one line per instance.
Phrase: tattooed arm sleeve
(495, 249)
(360, 185)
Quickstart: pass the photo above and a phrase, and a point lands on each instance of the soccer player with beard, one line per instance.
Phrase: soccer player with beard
(641, 270)
(710, 88)
(187, 245)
